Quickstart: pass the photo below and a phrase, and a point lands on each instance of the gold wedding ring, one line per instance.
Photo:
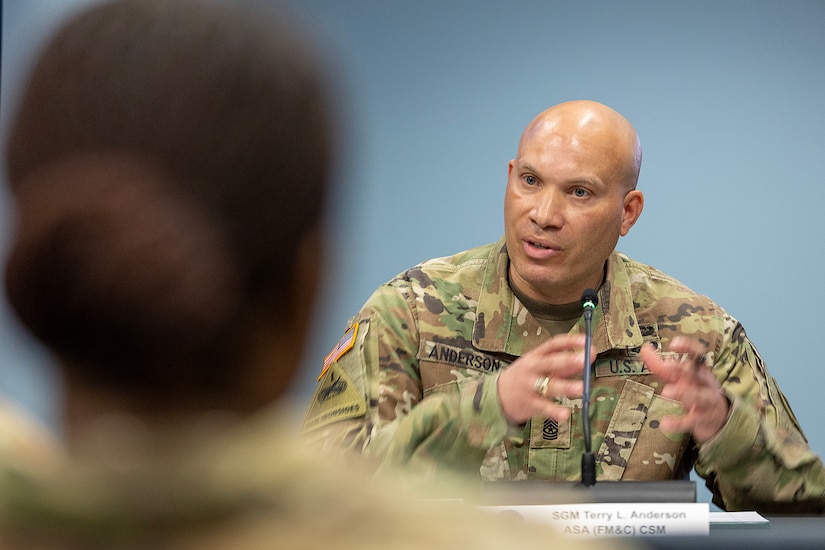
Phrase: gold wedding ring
(541, 385)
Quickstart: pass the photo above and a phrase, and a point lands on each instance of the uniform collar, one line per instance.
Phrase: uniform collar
(504, 325)
(615, 324)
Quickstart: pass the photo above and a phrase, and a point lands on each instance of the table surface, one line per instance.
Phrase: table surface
(791, 532)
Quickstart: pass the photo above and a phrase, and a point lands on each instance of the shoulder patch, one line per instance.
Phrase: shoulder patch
(336, 398)
(344, 345)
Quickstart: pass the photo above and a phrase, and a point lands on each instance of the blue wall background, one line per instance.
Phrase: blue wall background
(727, 97)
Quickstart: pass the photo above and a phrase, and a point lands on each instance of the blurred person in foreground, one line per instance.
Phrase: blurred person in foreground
(169, 163)
(473, 363)
(25, 438)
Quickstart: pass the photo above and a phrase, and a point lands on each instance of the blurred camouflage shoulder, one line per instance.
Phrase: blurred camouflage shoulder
(24, 438)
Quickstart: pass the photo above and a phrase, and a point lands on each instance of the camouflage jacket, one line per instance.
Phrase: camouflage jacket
(413, 382)
(25, 438)
(221, 482)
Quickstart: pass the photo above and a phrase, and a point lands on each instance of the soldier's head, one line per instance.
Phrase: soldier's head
(169, 165)
(571, 193)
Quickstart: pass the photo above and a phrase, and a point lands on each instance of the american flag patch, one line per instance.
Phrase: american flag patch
(344, 345)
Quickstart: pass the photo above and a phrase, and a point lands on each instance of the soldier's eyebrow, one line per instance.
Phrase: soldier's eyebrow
(590, 180)
(524, 166)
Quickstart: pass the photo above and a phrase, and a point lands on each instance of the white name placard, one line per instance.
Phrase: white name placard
(617, 519)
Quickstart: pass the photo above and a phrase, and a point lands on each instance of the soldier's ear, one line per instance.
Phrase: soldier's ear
(634, 203)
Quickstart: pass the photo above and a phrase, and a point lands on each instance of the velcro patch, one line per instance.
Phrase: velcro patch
(547, 433)
(467, 358)
(344, 345)
(336, 398)
(627, 366)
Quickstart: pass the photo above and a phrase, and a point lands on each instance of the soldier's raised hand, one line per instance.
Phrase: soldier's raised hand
(529, 387)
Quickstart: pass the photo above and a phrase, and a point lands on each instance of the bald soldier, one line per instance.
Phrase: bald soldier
(472, 364)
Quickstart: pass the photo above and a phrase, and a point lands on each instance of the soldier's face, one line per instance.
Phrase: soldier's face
(564, 209)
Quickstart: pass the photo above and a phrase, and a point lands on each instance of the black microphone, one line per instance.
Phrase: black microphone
(590, 299)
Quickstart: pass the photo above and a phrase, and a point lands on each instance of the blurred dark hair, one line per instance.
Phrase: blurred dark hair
(167, 159)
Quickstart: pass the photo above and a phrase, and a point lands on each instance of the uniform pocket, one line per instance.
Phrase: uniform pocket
(634, 447)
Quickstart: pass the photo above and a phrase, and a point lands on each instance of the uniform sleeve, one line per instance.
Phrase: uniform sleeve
(363, 402)
(367, 389)
(25, 439)
(760, 460)
(445, 435)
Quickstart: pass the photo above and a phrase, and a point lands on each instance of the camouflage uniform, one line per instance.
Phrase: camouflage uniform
(418, 387)
(24, 438)
(229, 484)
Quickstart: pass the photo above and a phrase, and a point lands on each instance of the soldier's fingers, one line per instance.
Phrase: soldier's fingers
(703, 423)
(693, 355)
(548, 409)
(689, 346)
(674, 370)
(565, 364)
(682, 391)
(706, 409)
(659, 367)
(562, 342)
(707, 378)
(692, 387)
(567, 388)
(693, 352)
(558, 364)
(567, 343)
(551, 387)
